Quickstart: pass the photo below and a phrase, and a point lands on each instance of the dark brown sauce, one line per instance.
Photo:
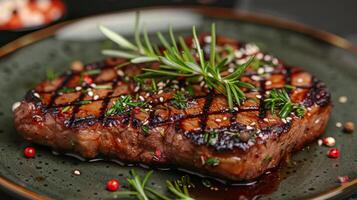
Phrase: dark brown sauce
(206, 187)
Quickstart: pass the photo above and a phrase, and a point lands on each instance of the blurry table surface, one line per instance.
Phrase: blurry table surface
(338, 17)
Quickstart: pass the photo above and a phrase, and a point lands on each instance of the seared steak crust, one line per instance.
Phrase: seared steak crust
(69, 113)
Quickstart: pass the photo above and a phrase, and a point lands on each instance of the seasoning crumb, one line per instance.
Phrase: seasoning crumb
(338, 124)
(218, 120)
(349, 127)
(76, 172)
(342, 99)
(343, 179)
(319, 142)
(96, 97)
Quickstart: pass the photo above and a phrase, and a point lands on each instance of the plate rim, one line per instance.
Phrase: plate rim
(225, 13)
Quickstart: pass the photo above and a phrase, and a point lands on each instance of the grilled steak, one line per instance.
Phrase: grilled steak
(77, 112)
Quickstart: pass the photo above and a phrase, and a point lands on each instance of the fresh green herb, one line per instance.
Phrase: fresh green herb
(279, 99)
(83, 102)
(140, 190)
(153, 85)
(51, 74)
(179, 100)
(211, 138)
(122, 65)
(289, 87)
(66, 90)
(145, 129)
(66, 108)
(176, 63)
(212, 161)
(103, 87)
(267, 158)
(123, 103)
(92, 72)
(179, 190)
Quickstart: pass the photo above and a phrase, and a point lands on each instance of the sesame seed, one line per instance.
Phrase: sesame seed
(218, 120)
(284, 121)
(338, 124)
(238, 54)
(259, 56)
(36, 95)
(230, 70)
(268, 69)
(255, 78)
(319, 142)
(120, 72)
(160, 91)
(225, 118)
(145, 122)
(342, 99)
(275, 61)
(76, 172)
(141, 98)
(268, 83)
(202, 83)
(93, 85)
(258, 96)
(266, 120)
(235, 108)
(267, 57)
(90, 93)
(78, 88)
(161, 99)
(137, 88)
(207, 39)
(96, 97)
(260, 71)
(317, 121)
(249, 128)
(300, 80)
(15, 105)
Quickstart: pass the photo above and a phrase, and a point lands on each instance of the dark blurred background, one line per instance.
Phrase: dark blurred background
(338, 17)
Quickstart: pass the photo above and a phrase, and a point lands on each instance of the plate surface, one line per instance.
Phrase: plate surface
(47, 175)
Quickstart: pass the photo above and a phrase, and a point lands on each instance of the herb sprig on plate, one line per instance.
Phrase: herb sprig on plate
(140, 190)
(177, 60)
(279, 99)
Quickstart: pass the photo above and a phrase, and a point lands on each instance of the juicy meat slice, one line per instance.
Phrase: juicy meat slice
(72, 113)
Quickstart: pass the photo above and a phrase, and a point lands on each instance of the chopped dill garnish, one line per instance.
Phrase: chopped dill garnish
(66, 90)
(92, 72)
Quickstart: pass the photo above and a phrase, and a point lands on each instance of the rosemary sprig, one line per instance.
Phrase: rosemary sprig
(179, 62)
(140, 190)
(123, 103)
(279, 99)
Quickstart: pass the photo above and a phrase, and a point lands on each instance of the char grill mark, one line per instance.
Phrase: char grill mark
(225, 140)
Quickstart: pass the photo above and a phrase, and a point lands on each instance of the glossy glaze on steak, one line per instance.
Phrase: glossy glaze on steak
(69, 114)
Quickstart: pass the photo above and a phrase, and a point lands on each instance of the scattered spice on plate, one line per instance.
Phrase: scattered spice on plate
(329, 141)
(76, 172)
(349, 127)
(113, 185)
(342, 99)
(343, 179)
(338, 124)
(30, 152)
(333, 153)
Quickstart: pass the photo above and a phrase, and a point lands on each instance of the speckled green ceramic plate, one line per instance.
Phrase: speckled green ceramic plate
(312, 174)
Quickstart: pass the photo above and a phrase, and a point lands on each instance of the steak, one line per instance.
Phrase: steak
(76, 112)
